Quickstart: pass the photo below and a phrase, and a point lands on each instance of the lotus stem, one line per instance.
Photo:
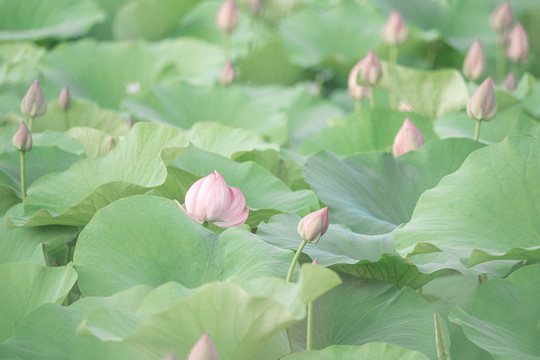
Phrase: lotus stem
(393, 58)
(443, 348)
(500, 61)
(477, 130)
(358, 105)
(294, 260)
(309, 336)
(30, 123)
(226, 46)
(372, 98)
(66, 117)
(23, 175)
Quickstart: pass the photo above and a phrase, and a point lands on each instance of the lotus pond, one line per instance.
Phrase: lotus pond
(394, 144)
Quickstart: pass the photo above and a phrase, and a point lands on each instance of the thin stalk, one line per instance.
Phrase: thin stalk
(500, 61)
(477, 130)
(227, 46)
(30, 123)
(392, 58)
(358, 105)
(372, 98)
(309, 336)
(294, 260)
(23, 176)
(66, 119)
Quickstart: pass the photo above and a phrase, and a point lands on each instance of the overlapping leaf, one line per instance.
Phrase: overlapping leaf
(379, 351)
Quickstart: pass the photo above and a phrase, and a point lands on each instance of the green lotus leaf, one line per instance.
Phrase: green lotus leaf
(379, 351)
(50, 331)
(504, 316)
(373, 193)
(111, 71)
(25, 286)
(96, 143)
(18, 62)
(37, 20)
(135, 166)
(8, 198)
(369, 130)
(486, 210)
(150, 240)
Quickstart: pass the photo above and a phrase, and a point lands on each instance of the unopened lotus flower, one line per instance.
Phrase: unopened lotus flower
(204, 349)
(501, 18)
(404, 106)
(408, 138)
(482, 105)
(33, 104)
(64, 100)
(228, 74)
(510, 82)
(315, 262)
(517, 48)
(22, 140)
(313, 226)
(170, 356)
(474, 64)
(210, 199)
(357, 91)
(227, 16)
(370, 71)
(395, 29)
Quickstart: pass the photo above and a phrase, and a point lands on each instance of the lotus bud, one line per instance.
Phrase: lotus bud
(370, 69)
(313, 226)
(227, 16)
(64, 100)
(475, 62)
(482, 105)
(210, 199)
(255, 6)
(22, 140)
(517, 48)
(395, 29)
(501, 18)
(130, 122)
(408, 138)
(204, 349)
(404, 106)
(315, 262)
(33, 104)
(356, 91)
(170, 356)
(228, 74)
(510, 82)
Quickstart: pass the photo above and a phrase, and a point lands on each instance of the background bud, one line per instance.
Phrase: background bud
(408, 138)
(517, 48)
(510, 82)
(395, 30)
(64, 100)
(356, 91)
(228, 74)
(204, 349)
(254, 6)
(482, 105)
(33, 104)
(404, 106)
(22, 140)
(313, 225)
(315, 262)
(501, 18)
(370, 71)
(474, 64)
(227, 16)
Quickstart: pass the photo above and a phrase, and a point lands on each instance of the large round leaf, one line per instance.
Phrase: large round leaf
(110, 72)
(505, 315)
(378, 351)
(25, 286)
(37, 19)
(50, 331)
(136, 165)
(486, 210)
(371, 130)
(19, 62)
(373, 193)
(150, 240)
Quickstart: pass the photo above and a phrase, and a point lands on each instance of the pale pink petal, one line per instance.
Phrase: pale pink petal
(191, 216)
(238, 202)
(217, 198)
(237, 220)
(191, 201)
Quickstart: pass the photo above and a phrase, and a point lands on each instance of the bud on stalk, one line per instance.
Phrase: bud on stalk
(408, 138)
(395, 30)
(33, 103)
(228, 74)
(204, 349)
(474, 64)
(227, 16)
(517, 48)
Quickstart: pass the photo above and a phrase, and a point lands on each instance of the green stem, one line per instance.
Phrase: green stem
(294, 260)
(30, 123)
(358, 105)
(309, 326)
(477, 130)
(23, 176)
(392, 58)
(67, 119)
(227, 46)
(372, 98)
(500, 61)
(482, 278)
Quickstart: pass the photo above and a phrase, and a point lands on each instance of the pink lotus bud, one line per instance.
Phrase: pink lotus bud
(475, 62)
(395, 30)
(210, 199)
(33, 104)
(228, 74)
(204, 349)
(22, 140)
(501, 18)
(64, 100)
(357, 92)
(482, 105)
(227, 16)
(370, 69)
(130, 122)
(510, 82)
(408, 138)
(313, 225)
(517, 48)
(404, 106)
(170, 356)
(315, 262)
